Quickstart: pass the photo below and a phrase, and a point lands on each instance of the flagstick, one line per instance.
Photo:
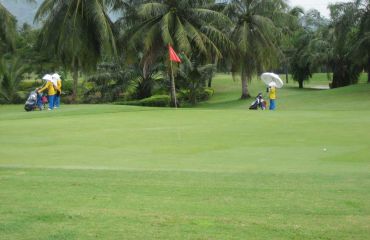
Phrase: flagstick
(173, 88)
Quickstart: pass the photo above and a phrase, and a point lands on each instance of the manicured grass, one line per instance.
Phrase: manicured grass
(218, 171)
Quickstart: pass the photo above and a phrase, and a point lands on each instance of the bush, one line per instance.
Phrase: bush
(186, 96)
(67, 88)
(153, 101)
(206, 94)
(28, 86)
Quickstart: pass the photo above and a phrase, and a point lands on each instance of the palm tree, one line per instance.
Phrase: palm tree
(301, 64)
(189, 26)
(195, 76)
(7, 29)
(10, 78)
(78, 32)
(361, 48)
(346, 69)
(255, 34)
(114, 77)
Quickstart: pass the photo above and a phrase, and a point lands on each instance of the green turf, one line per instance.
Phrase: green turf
(218, 171)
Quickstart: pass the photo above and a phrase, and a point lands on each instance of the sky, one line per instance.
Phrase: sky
(320, 5)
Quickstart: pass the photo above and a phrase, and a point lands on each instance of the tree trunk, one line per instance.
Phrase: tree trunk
(245, 92)
(210, 81)
(145, 90)
(286, 74)
(300, 84)
(368, 68)
(75, 83)
(173, 89)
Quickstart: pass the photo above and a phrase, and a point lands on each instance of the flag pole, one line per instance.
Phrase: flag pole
(173, 88)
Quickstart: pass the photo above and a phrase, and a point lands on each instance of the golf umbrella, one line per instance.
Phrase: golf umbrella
(47, 77)
(269, 78)
(55, 77)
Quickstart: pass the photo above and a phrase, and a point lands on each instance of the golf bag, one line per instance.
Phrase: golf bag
(258, 103)
(31, 102)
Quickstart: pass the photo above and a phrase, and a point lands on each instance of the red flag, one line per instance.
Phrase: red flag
(173, 55)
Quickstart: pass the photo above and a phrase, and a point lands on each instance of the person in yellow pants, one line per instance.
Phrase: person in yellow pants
(51, 90)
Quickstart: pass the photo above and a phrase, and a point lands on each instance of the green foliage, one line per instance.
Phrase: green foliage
(29, 85)
(11, 72)
(108, 84)
(85, 32)
(153, 101)
(67, 87)
(187, 25)
(199, 95)
(192, 77)
(345, 69)
(361, 48)
(7, 30)
(245, 37)
(28, 49)
(255, 34)
(301, 63)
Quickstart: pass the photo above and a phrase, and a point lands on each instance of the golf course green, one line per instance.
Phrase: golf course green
(216, 171)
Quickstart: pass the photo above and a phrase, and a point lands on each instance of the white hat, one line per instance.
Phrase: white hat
(272, 84)
(47, 77)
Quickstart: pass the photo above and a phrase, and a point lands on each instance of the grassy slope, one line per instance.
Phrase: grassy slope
(215, 172)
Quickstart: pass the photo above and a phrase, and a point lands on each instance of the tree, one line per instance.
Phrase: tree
(7, 30)
(255, 34)
(189, 26)
(344, 23)
(78, 32)
(301, 65)
(310, 48)
(361, 47)
(108, 82)
(114, 77)
(12, 71)
(194, 76)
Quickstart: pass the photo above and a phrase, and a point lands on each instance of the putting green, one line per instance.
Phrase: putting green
(218, 171)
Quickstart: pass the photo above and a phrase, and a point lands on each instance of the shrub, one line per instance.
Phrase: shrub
(187, 96)
(28, 86)
(67, 87)
(153, 101)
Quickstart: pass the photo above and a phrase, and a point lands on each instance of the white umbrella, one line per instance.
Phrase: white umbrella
(273, 78)
(55, 77)
(47, 77)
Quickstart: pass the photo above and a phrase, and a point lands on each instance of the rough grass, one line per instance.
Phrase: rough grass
(215, 172)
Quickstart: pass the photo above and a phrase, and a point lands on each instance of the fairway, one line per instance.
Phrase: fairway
(217, 171)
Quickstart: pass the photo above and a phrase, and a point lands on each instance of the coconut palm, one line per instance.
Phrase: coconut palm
(361, 48)
(194, 76)
(346, 69)
(189, 26)
(78, 32)
(255, 34)
(11, 75)
(7, 29)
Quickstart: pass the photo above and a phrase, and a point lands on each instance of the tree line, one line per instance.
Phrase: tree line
(128, 53)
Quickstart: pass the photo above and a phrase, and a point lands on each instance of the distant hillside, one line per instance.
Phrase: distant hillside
(24, 12)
